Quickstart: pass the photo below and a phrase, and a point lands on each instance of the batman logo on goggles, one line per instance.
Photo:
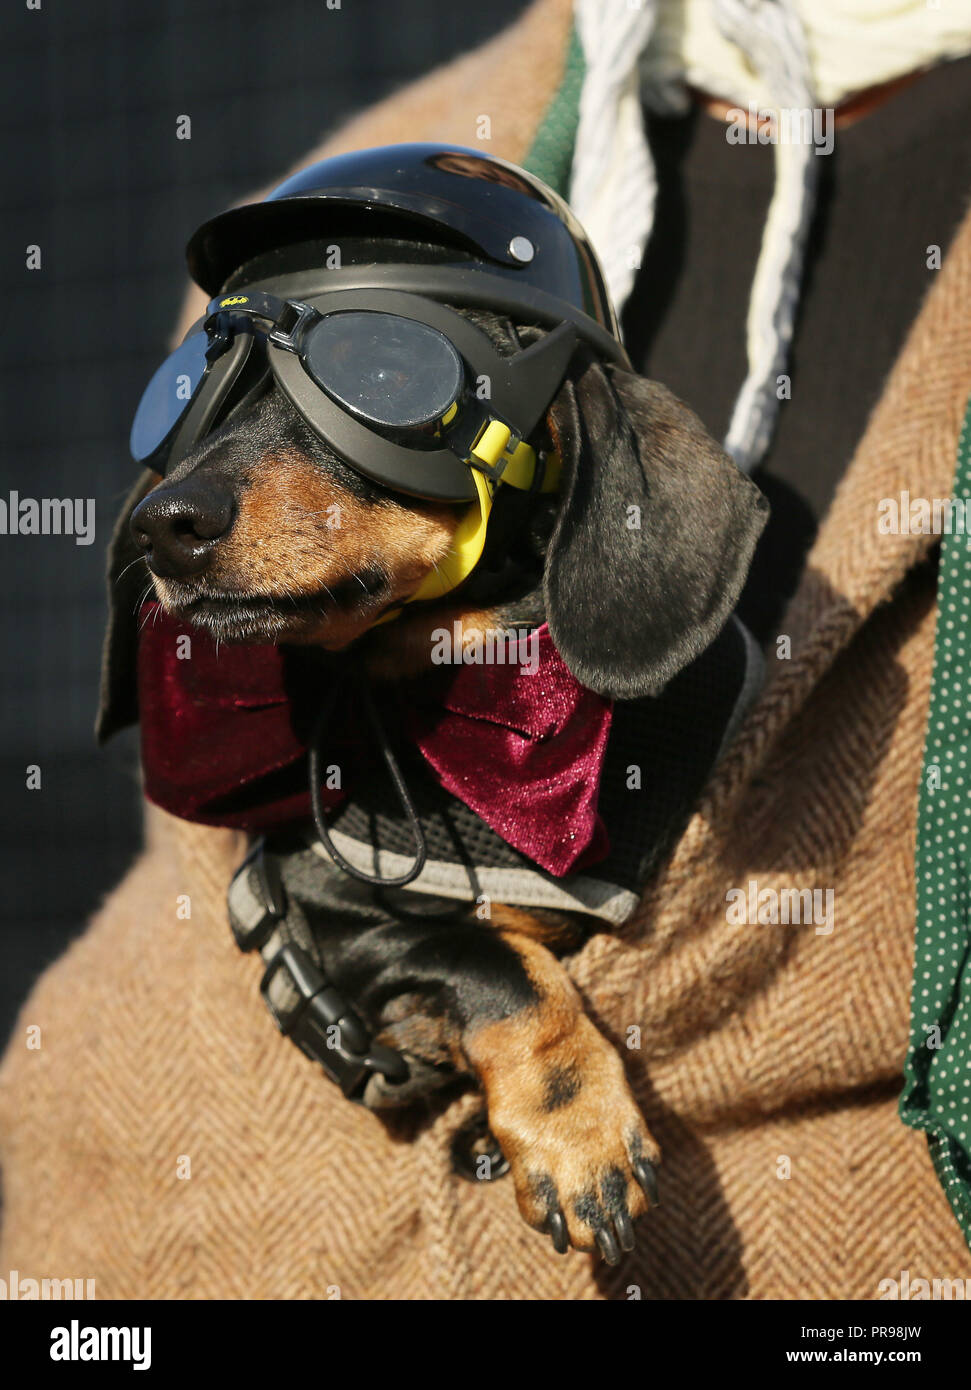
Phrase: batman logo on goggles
(405, 390)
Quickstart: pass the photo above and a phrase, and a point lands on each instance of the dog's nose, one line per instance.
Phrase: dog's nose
(178, 527)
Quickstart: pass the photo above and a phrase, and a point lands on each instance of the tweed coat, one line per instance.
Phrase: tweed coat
(770, 1056)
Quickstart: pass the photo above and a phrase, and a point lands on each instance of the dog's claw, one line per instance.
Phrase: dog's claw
(647, 1178)
(624, 1229)
(558, 1232)
(607, 1245)
(583, 1166)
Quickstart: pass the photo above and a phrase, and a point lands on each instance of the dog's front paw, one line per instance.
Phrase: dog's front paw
(583, 1160)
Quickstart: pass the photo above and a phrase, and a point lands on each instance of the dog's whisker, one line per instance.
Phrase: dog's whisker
(143, 596)
(138, 560)
(147, 591)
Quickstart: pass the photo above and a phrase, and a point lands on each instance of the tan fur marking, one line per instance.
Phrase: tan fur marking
(555, 932)
(404, 647)
(408, 1026)
(578, 1143)
(298, 533)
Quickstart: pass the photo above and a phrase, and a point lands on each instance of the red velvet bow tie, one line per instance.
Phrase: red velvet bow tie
(225, 734)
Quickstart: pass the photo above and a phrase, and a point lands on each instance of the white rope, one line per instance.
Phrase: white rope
(777, 53)
(614, 187)
(770, 33)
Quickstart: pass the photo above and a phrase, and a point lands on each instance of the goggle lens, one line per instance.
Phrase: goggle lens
(388, 371)
(167, 396)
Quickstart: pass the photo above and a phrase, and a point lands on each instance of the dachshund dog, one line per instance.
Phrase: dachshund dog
(237, 543)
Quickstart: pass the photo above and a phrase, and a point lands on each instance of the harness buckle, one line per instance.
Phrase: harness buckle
(324, 1026)
(305, 1006)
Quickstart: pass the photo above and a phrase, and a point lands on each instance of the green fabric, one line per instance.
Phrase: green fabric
(550, 156)
(937, 1091)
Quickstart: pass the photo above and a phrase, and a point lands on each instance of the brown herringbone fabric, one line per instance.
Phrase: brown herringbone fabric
(759, 1044)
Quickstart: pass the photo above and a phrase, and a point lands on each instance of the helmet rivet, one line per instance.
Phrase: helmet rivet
(521, 249)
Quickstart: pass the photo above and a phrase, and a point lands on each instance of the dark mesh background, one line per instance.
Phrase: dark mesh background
(94, 175)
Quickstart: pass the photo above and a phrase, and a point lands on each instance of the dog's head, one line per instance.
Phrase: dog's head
(263, 534)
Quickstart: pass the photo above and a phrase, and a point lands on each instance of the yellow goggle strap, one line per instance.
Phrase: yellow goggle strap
(467, 546)
(470, 534)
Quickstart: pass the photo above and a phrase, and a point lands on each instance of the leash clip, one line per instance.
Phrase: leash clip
(325, 1027)
(304, 1004)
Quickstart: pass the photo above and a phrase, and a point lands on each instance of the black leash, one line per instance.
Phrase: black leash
(397, 778)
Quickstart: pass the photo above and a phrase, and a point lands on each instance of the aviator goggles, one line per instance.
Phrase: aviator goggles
(406, 391)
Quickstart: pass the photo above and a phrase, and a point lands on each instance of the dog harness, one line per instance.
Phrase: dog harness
(529, 791)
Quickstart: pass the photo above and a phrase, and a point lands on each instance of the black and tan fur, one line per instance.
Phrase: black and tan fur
(238, 540)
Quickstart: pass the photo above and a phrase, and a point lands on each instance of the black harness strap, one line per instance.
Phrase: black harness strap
(305, 1006)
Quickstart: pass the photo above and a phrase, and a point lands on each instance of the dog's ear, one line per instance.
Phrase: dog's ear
(654, 535)
(127, 582)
